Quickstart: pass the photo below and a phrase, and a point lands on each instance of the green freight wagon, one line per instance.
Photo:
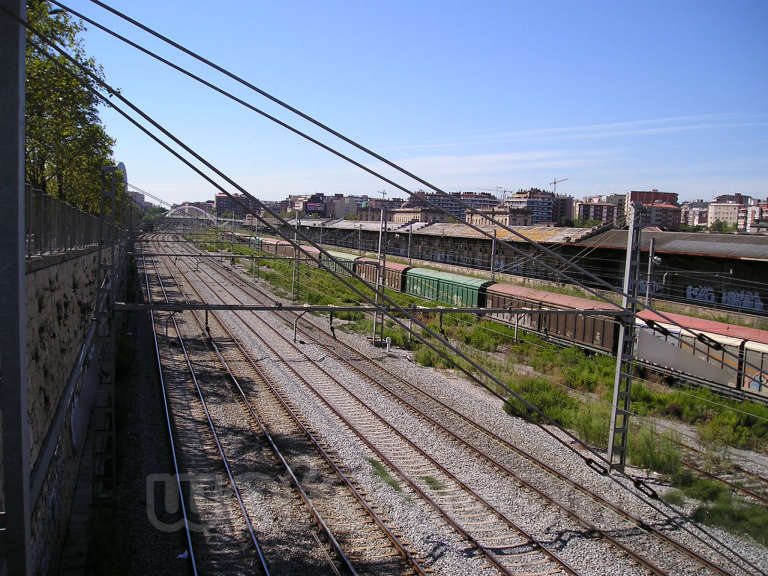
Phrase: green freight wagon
(453, 289)
(346, 261)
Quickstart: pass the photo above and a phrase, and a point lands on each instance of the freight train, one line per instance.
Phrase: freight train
(730, 359)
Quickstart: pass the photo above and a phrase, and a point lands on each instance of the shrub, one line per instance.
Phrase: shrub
(552, 401)
(673, 496)
(736, 517)
(702, 489)
(592, 423)
(657, 452)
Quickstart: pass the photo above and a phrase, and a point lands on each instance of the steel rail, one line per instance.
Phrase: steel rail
(505, 469)
(224, 459)
(294, 480)
(695, 556)
(597, 498)
(589, 460)
(651, 504)
(277, 306)
(493, 557)
(304, 429)
(169, 427)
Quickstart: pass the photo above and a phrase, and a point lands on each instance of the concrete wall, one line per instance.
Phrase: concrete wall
(61, 293)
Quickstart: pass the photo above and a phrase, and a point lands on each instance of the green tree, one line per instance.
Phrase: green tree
(66, 146)
(721, 226)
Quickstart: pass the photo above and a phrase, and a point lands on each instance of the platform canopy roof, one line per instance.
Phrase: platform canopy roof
(737, 246)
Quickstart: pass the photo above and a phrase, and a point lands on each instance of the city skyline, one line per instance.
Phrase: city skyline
(613, 98)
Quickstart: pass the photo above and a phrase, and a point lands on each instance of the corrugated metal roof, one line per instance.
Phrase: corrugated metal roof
(338, 224)
(449, 277)
(730, 330)
(270, 240)
(693, 243)
(547, 234)
(310, 249)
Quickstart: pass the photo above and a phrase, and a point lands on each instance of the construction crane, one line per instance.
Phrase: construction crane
(555, 181)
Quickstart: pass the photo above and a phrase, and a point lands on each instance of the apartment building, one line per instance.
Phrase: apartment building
(727, 212)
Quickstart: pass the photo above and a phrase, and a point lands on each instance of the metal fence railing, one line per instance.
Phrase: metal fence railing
(54, 226)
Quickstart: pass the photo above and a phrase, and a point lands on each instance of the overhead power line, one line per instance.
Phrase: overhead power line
(337, 134)
(565, 263)
(556, 271)
(403, 311)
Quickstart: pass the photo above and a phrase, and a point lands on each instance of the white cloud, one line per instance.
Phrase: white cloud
(603, 130)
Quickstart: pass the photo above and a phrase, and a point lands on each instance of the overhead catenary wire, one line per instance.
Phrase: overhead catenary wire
(323, 145)
(404, 312)
(332, 131)
(564, 261)
(474, 365)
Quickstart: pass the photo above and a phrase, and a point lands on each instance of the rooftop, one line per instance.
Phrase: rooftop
(739, 246)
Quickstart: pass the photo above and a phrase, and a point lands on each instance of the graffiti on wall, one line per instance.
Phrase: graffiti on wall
(744, 299)
(700, 293)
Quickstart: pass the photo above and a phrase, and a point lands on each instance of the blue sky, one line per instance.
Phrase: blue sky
(469, 95)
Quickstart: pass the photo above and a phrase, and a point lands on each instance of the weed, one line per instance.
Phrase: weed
(736, 517)
(433, 483)
(552, 402)
(381, 471)
(658, 452)
(673, 496)
(591, 423)
(702, 489)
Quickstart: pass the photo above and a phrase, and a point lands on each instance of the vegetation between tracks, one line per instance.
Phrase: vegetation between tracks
(564, 378)
(381, 471)
(495, 347)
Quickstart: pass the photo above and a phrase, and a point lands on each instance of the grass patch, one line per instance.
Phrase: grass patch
(673, 496)
(702, 489)
(719, 508)
(553, 402)
(433, 483)
(592, 423)
(381, 471)
(736, 517)
(658, 452)
(426, 356)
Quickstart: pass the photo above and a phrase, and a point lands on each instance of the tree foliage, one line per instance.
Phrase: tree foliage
(66, 145)
(721, 226)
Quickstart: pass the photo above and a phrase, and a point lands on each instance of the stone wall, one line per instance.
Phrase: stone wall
(61, 294)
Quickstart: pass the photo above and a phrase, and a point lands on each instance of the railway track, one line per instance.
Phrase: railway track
(227, 536)
(489, 533)
(467, 434)
(338, 505)
(360, 541)
(380, 376)
(438, 476)
(754, 487)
